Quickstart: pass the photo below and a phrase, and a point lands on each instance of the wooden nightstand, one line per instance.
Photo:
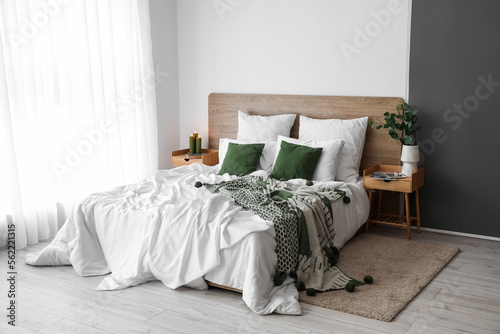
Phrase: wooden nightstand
(405, 185)
(209, 157)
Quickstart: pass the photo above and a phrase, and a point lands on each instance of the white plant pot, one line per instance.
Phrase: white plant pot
(410, 156)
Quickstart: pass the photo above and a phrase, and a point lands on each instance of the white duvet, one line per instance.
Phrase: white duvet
(164, 228)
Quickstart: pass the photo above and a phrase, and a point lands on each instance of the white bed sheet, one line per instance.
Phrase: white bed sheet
(256, 256)
(128, 230)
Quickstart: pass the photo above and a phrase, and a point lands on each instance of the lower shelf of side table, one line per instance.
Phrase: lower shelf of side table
(391, 219)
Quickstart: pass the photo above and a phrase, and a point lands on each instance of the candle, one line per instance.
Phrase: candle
(198, 144)
(192, 144)
(195, 134)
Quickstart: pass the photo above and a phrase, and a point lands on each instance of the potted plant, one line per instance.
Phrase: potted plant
(403, 127)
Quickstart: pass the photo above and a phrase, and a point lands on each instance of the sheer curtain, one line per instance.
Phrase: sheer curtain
(77, 107)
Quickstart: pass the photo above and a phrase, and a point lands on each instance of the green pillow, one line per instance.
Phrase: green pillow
(241, 158)
(296, 161)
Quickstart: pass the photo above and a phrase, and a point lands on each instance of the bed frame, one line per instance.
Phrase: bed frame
(379, 147)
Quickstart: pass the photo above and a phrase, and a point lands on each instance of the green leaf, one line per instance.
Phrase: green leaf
(402, 126)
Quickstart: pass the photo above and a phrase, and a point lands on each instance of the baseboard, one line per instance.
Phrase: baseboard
(469, 235)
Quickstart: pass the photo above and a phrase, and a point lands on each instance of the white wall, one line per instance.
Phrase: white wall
(288, 47)
(163, 19)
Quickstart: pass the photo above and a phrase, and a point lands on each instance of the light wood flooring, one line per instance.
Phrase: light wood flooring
(463, 298)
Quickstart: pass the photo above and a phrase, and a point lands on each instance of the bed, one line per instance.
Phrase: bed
(213, 239)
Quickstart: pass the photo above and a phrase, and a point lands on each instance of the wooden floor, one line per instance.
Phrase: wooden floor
(463, 298)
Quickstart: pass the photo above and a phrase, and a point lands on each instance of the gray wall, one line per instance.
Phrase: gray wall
(163, 18)
(455, 49)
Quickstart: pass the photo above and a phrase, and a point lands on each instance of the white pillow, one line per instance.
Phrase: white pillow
(352, 131)
(264, 128)
(266, 159)
(328, 161)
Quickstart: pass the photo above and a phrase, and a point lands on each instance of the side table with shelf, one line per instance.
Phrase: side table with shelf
(405, 185)
(208, 157)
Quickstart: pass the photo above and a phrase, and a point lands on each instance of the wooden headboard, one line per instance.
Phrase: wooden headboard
(379, 147)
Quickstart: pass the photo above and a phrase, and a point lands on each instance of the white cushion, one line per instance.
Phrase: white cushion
(266, 159)
(328, 161)
(352, 131)
(264, 128)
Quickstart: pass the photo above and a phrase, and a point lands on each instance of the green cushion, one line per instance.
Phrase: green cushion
(241, 159)
(296, 161)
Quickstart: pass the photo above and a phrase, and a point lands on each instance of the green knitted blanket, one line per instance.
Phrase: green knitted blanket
(303, 221)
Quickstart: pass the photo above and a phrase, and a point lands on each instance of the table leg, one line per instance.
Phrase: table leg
(418, 211)
(408, 222)
(370, 202)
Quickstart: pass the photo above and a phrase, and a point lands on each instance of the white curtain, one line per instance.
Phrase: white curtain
(77, 107)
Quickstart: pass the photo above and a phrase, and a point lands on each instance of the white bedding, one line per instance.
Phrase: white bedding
(234, 271)
(164, 228)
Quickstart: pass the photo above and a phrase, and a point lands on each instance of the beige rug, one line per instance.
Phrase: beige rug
(400, 269)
